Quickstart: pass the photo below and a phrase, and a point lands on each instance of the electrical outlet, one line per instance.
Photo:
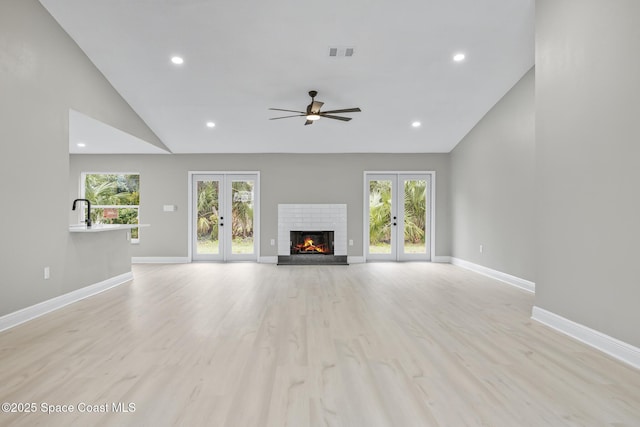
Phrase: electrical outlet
(481, 248)
(350, 242)
(273, 242)
(47, 273)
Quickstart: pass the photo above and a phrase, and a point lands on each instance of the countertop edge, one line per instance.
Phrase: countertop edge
(101, 228)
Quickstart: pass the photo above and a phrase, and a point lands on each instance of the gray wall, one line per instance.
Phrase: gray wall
(284, 178)
(492, 186)
(43, 73)
(587, 153)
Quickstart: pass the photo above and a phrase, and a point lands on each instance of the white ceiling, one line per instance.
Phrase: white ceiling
(90, 136)
(244, 56)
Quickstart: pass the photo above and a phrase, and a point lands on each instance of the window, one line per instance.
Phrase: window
(114, 197)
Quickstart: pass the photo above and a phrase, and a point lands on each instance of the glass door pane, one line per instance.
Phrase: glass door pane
(382, 217)
(415, 216)
(242, 238)
(208, 208)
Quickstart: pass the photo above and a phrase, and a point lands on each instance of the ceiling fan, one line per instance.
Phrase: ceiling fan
(313, 112)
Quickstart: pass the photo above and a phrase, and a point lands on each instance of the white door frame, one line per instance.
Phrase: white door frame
(431, 208)
(256, 207)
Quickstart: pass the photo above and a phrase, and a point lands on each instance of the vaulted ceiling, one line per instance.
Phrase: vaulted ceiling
(242, 57)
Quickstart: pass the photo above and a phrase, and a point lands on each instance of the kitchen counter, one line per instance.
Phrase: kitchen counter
(96, 228)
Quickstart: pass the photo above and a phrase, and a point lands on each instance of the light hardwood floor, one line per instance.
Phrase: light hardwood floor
(413, 344)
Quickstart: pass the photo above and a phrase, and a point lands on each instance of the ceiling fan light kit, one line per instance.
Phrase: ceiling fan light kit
(313, 112)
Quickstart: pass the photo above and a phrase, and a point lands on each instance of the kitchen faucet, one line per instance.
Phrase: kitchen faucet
(88, 220)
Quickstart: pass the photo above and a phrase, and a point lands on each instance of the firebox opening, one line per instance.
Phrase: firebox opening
(311, 242)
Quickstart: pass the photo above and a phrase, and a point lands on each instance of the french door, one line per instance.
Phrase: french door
(398, 216)
(224, 217)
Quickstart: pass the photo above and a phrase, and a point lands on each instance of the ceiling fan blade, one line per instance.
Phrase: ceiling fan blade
(291, 111)
(315, 106)
(344, 119)
(308, 122)
(344, 110)
(286, 117)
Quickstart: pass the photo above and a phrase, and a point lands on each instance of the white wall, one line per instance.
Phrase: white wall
(43, 74)
(492, 186)
(284, 178)
(587, 153)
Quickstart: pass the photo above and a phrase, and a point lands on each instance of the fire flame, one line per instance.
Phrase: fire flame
(310, 246)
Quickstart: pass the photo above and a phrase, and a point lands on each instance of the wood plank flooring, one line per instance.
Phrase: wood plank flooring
(386, 344)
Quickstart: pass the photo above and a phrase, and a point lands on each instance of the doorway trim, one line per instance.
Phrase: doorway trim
(365, 208)
(256, 217)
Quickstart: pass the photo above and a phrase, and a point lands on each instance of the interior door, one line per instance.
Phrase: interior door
(224, 217)
(398, 217)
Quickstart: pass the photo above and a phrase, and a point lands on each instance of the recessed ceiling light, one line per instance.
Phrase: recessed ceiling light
(458, 57)
(211, 125)
(81, 144)
(416, 124)
(177, 60)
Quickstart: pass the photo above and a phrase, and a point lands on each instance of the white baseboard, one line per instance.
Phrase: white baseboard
(355, 259)
(14, 319)
(443, 259)
(159, 260)
(495, 274)
(606, 344)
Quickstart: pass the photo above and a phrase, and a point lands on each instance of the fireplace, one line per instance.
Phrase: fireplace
(311, 242)
(312, 234)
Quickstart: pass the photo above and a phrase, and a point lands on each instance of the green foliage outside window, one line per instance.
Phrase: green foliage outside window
(380, 212)
(241, 207)
(115, 198)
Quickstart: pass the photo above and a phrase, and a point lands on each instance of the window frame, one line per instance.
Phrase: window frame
(82, 192)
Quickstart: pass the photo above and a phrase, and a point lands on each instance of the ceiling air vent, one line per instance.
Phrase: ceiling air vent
(341, 51)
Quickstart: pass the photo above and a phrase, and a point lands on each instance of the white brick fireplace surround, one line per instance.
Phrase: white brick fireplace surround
(312, 217)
